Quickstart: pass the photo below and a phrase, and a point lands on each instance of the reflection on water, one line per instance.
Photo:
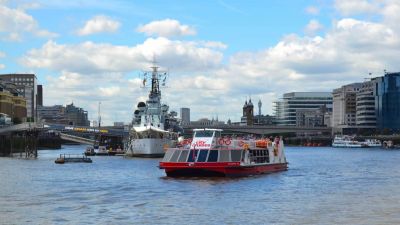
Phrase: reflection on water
(322, 186)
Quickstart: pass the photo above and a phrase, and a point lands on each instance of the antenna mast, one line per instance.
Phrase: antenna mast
(99, 115)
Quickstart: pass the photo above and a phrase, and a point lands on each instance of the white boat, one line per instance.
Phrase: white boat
(372, 143)
(346, 142)
(349, 142)
(152, 125)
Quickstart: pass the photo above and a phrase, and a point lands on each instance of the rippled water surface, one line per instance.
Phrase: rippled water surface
(322, 186)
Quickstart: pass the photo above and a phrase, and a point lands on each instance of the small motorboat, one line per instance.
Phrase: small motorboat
(90, 151)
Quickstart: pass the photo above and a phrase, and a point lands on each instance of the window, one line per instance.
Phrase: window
(204, 133)
(175, 156)
(213, 156)
(167, 155)
(236, 155)
(202, 156)
(192, 155)
(224, 156)
(183, 156)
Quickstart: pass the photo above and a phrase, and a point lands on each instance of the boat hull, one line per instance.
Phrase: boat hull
(149, 147)
(229, 169)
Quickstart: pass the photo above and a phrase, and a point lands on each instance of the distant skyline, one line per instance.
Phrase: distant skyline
(218, 52)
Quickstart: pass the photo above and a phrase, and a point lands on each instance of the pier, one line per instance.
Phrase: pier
(20, 140)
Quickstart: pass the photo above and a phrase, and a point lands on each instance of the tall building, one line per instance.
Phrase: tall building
(344, 105)
(365, 105)
(39, 95)
(185, 116)
(248, 114)
(387, 101)
(303, 108)
(26, 85)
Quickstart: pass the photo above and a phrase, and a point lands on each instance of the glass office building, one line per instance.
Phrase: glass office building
(387, 101)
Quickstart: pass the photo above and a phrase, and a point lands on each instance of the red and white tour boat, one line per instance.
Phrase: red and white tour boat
(210, 154)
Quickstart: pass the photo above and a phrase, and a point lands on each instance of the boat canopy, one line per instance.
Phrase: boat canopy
(148, 128)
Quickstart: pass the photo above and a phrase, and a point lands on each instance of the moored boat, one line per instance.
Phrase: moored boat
(209, 154)
(72, 158)
(153, 126)
(346, 141)
(90, 151)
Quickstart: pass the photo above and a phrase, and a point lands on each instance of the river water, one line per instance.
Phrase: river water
(322, 186)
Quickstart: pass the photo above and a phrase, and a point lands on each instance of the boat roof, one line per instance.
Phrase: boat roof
(211, 129)
(147, 128)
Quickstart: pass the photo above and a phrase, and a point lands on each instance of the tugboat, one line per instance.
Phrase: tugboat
(210, 154)
(152, 126)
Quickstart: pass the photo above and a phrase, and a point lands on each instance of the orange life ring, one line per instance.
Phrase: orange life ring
(228, 141)
(221, 141)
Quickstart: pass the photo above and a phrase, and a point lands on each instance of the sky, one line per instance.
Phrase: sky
(219, 53)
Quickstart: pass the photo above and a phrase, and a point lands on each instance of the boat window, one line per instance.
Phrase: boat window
(168, 155)
(236, 155)
(204, 133)
(213, 156)
(175, 156)
(183, 156)
(224, 156)
(192, 155)
(202, 156)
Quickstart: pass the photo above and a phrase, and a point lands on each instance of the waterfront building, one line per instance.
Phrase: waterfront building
(365, 105)
(303, 108)
(76, 116)
(311, 117)
(387, 102)
(344, 106)
(264, 120)
(52, 114)
(12, 103)
(248, 114)
(26, 84)
(207, 122)
(185, 116)
(58, 114)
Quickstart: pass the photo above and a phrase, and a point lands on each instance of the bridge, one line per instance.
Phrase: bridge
(23, 137)
(20, 127)
(263, 130)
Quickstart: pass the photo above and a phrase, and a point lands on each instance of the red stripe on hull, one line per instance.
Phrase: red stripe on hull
(230, 169)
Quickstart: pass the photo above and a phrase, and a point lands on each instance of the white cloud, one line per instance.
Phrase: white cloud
(89, 57)
(312, 10)
(14, 23)
(313, 27)
(99, 24)
(166, 28)
(90, 72)
(354, 7)
(2, 54)
(2, 66)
